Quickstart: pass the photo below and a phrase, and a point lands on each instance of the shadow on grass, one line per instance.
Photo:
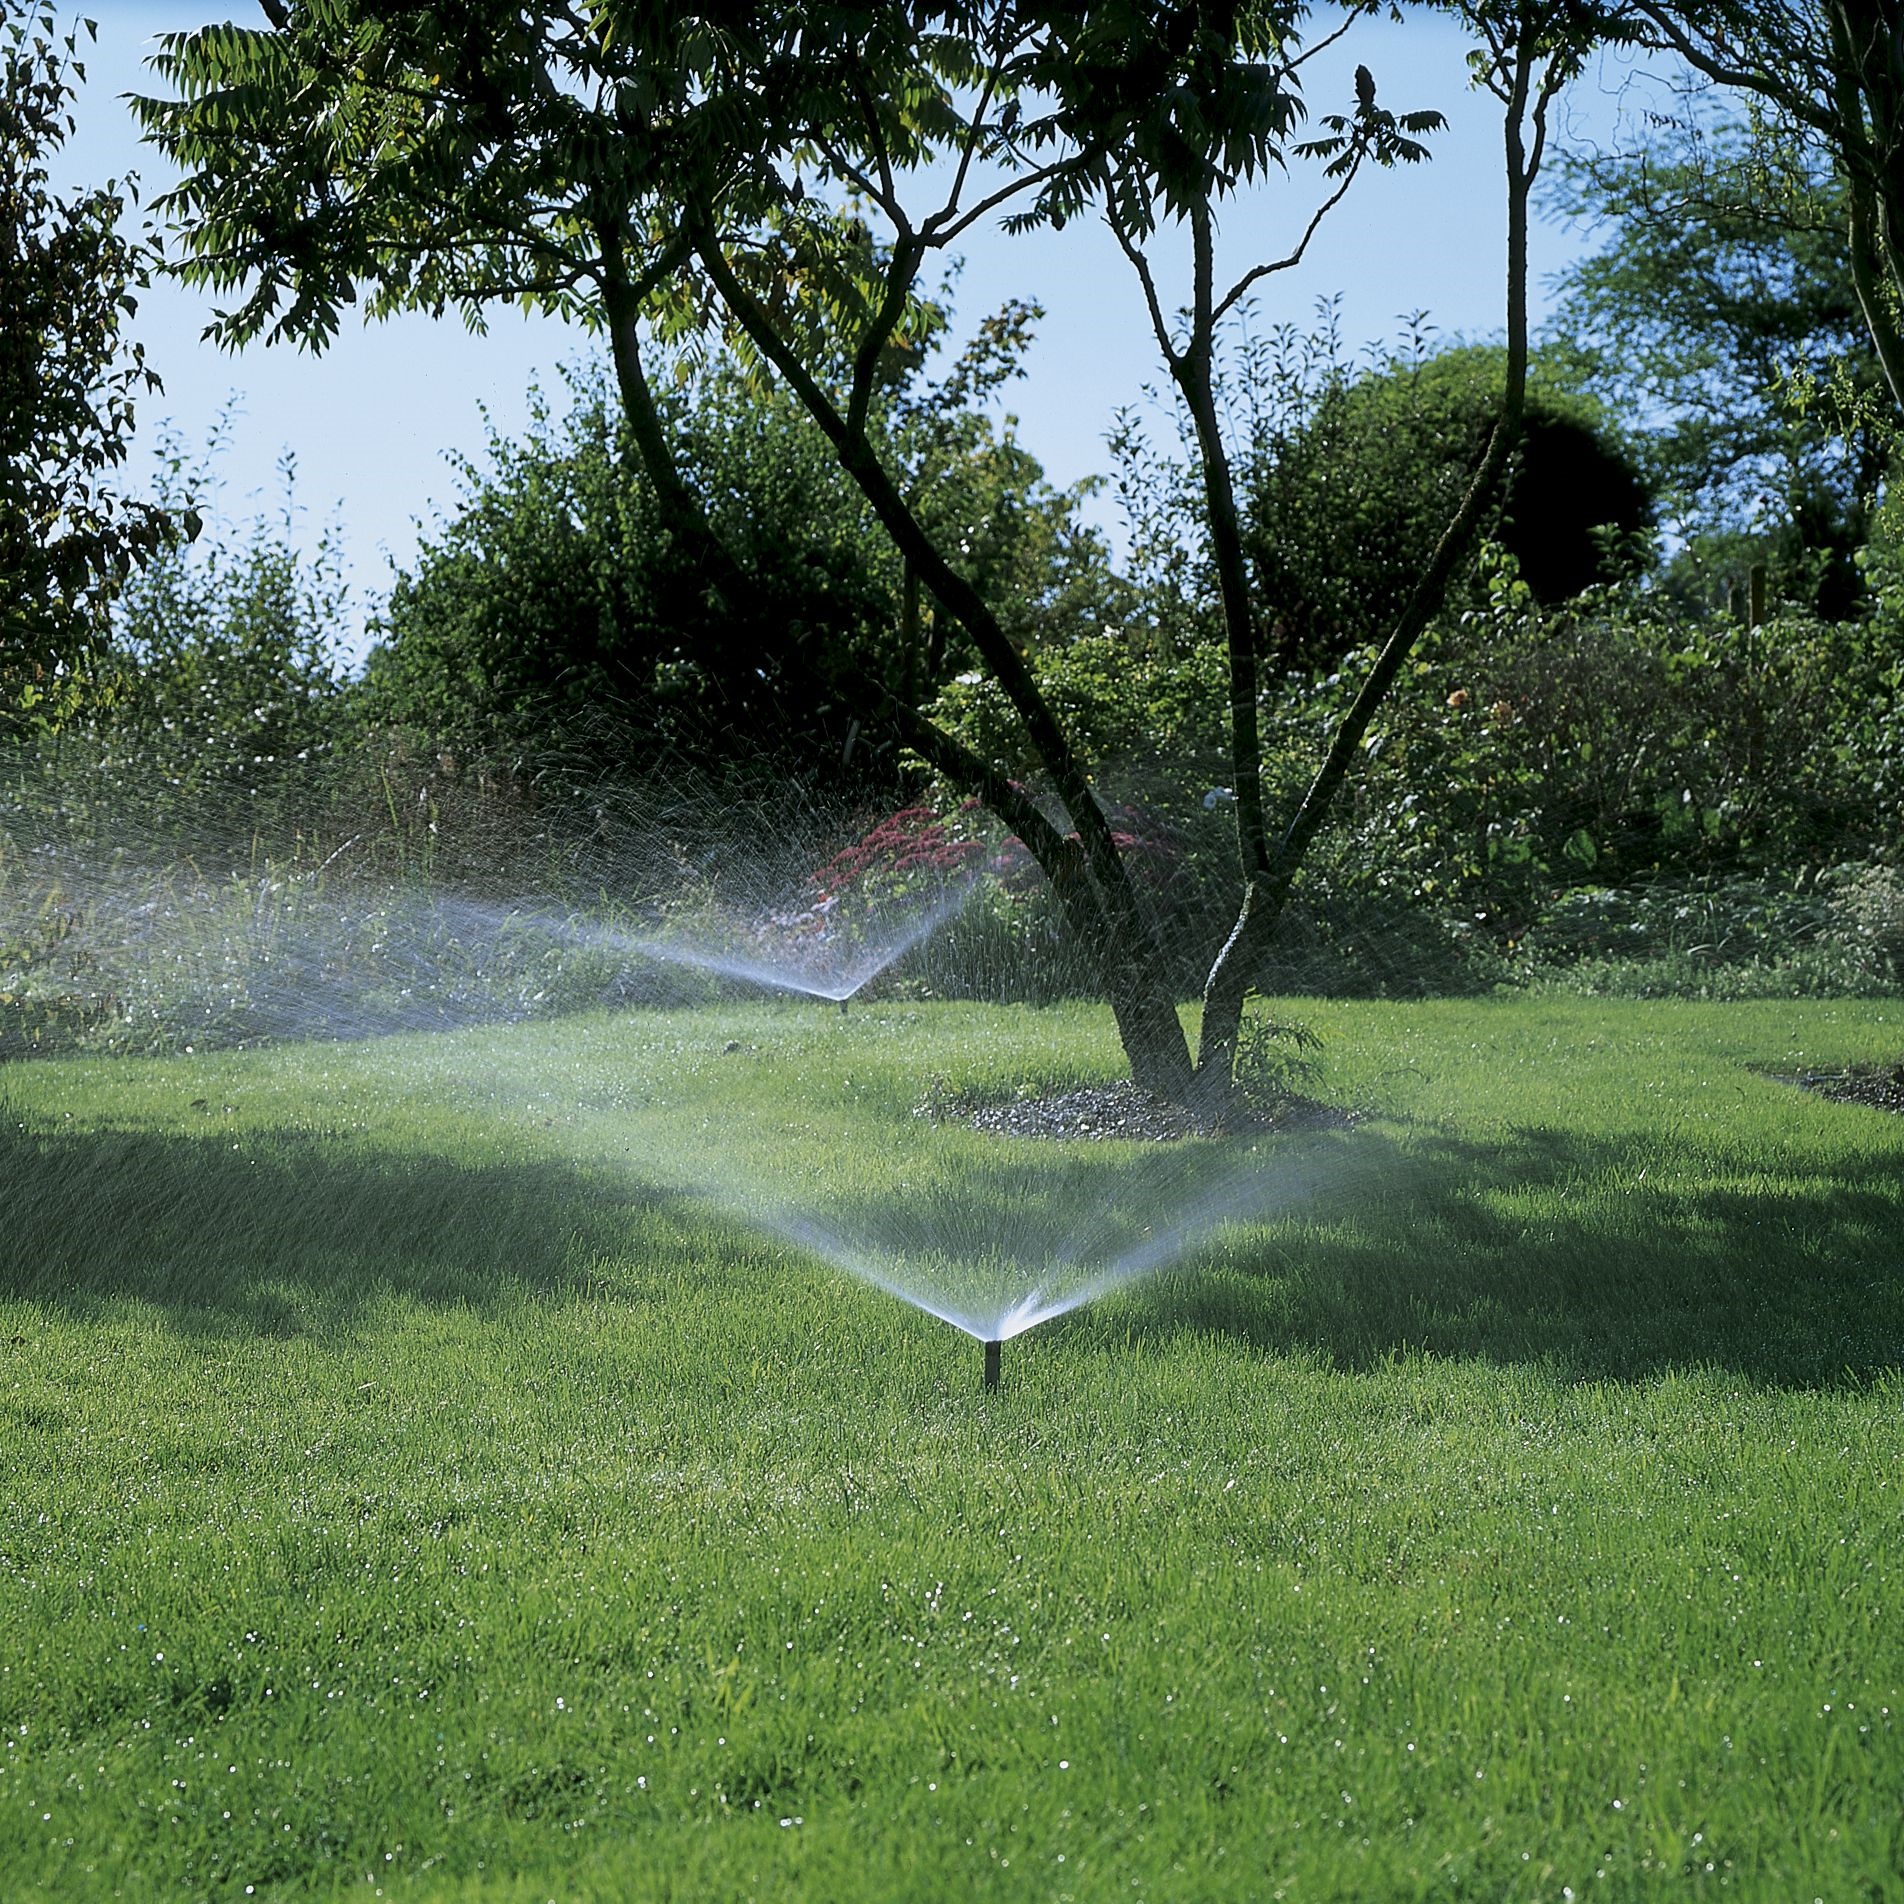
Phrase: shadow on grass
(1585, 1256)
(280, 1233)
(1594, 1257)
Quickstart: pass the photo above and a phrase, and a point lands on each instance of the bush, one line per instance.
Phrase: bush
(1612, 744)
(222, 684)
(1348, 486)
(1830, 934)
(556, 609)
(1870, 907)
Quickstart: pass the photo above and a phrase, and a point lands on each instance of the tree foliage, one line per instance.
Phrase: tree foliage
(1825, 79)
(222, 676)
(68, 384)
(1721, 311)
(554, 608)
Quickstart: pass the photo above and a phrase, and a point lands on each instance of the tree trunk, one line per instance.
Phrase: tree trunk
(1267, 888)
(1121, 937)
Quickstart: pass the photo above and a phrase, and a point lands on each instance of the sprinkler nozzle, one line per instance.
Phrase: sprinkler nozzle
(843, 1005)
(991, 1363)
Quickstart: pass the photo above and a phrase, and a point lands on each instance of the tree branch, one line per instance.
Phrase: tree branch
(1726, 66)
(1194, 371)
(943, 234)
(1058, 857)
(1139, 263)
(969, 144)
(902, 273)
(1241, 288)
(1109, 875)
(1266, 895)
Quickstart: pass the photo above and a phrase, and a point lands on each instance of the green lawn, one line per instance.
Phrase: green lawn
(416, 1476)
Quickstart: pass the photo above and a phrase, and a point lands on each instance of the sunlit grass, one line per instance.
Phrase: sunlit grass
(415, 1474)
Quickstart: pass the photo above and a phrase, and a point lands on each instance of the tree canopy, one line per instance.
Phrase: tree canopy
(69, 382)
(1349, 479)
(1720, 314)
(1826, 79)
(552, 608)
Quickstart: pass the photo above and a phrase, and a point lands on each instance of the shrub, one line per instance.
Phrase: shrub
(222, 685)
(1761, 936)
(555, 607)
(1347, 491)
(1612, 743)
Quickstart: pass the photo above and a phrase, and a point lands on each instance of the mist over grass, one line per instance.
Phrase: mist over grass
(422, 1474)
(392, 894)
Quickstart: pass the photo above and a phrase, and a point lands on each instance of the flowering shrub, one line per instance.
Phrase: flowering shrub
(913, 847)
(1002, 933)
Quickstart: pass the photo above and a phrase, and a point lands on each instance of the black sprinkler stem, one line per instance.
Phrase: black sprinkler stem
(843, 1006)
(991, 1364)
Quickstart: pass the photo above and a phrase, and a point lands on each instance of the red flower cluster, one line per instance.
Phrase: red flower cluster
(919, 843)
(914, 841)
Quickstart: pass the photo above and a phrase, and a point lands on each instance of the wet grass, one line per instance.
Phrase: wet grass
(416, 1478)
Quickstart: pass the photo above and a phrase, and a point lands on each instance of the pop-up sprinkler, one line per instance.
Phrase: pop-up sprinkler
(991, 1363)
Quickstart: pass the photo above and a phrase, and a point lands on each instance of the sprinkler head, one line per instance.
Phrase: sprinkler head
(843, 1005)
(991, 1363)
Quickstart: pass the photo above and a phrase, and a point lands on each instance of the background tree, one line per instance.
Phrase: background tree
(221, 682)
(553, 610)
(1826, 77)
(68, 384)
(1720, 316)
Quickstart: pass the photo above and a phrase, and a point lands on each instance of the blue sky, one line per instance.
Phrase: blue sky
(371, 420)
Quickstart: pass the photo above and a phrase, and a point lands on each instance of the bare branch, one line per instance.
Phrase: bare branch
(1159, 324)
(969, 145)
(1241, 288)
(1728, 66)
(946, 233)
(1316, 48)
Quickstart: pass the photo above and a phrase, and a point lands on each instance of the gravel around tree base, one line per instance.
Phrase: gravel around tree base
(1122, 1112)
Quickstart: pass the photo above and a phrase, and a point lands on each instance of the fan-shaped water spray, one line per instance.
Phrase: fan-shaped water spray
(997, 1266)
(993, 1235)
(830, 955)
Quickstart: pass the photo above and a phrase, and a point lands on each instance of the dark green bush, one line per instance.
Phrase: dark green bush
(1346, 498)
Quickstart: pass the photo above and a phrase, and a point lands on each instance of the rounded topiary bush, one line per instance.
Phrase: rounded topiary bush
(1344, 508)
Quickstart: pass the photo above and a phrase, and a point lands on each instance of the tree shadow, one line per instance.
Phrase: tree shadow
(281, 1233)
(1601, 1259)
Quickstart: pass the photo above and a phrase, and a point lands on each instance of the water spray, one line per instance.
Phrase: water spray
(999, 1263)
